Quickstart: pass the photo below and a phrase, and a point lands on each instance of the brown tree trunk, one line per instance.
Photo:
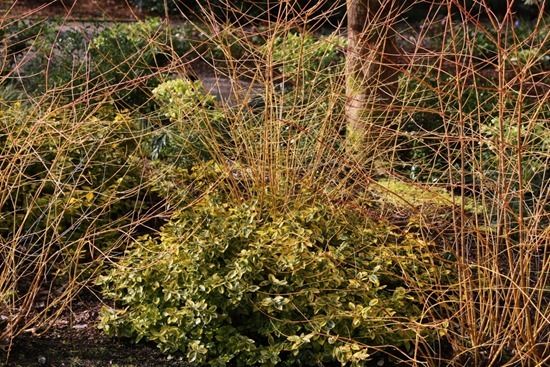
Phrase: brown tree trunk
(371, 76)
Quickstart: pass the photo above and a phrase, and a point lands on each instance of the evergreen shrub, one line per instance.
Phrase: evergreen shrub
(72, 177)
(195, 123)
(249, 283)
(308, 59)
(128, 58)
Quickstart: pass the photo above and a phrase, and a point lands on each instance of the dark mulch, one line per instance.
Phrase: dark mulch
(84, 350)
(70, 9)
(74, 340)
(83, 345)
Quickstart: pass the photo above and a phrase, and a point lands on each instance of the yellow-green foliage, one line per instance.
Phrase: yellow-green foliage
(246, 283)
(127, 56)
(182, 100)
(403, 194)
(308, 59)
(196, 124)
(65, 178)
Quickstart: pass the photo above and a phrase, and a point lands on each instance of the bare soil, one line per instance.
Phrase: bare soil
(70, 9)
(75, 341)
(82, 350)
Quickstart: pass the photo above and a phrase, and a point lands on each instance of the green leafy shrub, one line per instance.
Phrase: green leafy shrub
(309, 82)
(192, 40)
(129, 57)
(424, 154)
(182, 99)
(534, 139)
(73, 177)
(308, 59)
(435, 103)
(534, 43)
(18, 36)
(42, 57)
(196, 40)
(196, 123)
(126, 57)
(64, 56)
(249, 284)
(181, 186)
(482, 42)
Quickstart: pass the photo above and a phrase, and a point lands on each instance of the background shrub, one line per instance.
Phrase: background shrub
(41, 56)
(127, 58)
(308, 60)
(196, 123)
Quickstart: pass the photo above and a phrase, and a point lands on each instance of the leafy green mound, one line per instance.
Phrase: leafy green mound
(253, 284)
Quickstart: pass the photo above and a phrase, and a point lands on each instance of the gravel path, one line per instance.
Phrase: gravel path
(230, 91)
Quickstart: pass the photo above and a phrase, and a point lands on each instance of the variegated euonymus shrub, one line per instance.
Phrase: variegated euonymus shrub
(197, 127)
(247, 284)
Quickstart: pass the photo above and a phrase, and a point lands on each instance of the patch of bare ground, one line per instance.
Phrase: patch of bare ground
(74, 340)
(69, 9)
